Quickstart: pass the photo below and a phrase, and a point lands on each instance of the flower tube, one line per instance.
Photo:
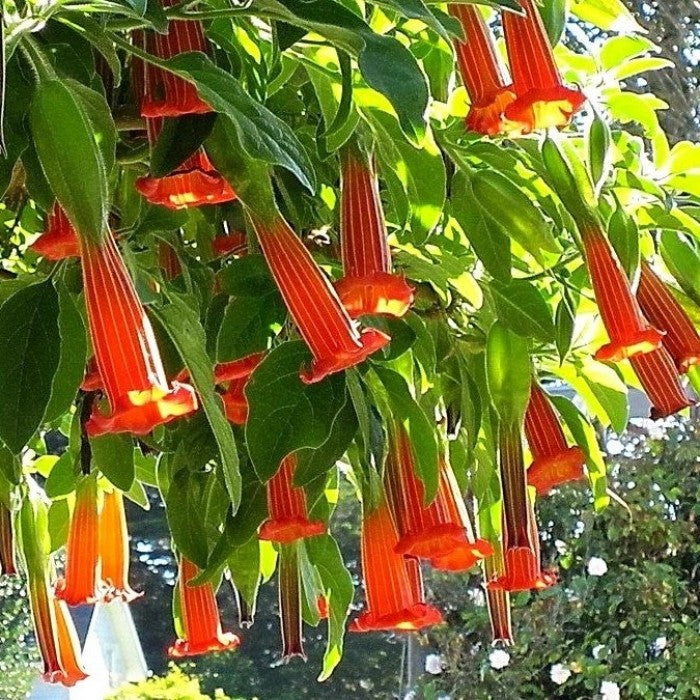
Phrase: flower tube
(659, 378)
(322, 321)
(368, 285)
(630, 333)
(200, 617)
(68, 645)
(288, 517)
(8, 565)
(393, 587)
(498, 599)
(682, 340)
(290, 604)
(482, 73)
(125, 348)
(554, 462)
(542, 99)
(59, 240)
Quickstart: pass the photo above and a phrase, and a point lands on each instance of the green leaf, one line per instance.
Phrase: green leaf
(683, 262)
(244, 565)
(10, 467)
(248, 276)
(553, 14)
(624, 237)
(599, 152)
(73, 164)
(178, 140)
(521, 307)
(607, 14)
(609, 390)
(325, 555)
(63, 477)
(29, 357)
(71, 366)
(113, 455)
(261, 134)
(59, 523)
(286, 414)
(564, 318)
(186, 332)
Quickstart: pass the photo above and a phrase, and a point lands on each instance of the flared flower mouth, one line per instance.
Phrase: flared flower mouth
(377, 293)
(371, 340)
(290, 529)
(235, 243)
(639, 343)
(488, 116)
(464, 556)
(222, 642)
(411, 619)
(187, 188)
(139, 412)
(59, 240)
(188, 102)
(542, 108)
(235, 402)
(237, 369)
(434, 541)
(547, 472)
(523, 572)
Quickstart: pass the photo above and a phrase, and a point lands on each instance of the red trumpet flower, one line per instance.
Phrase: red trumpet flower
(313, 305)
(658, 375)
(200, 617)
(194, 182)
(235, 402)
(234, 243)
(368, 286)
(81, 582)
(437, 531)
(542, 99)
(59, 240)
(68, 645)
(8, 565)
(498, 603)
(520, 537)
(482, 73)
(114, 548)
(289, 589)
(164, 93)
(125, 349)
(237, 369)
(92, 380)
(554, 462)
(393, 585)
(288, 517)
(630, 333)
(661, 308)
(235, 376)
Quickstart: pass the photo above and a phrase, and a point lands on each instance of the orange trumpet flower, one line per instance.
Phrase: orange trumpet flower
(59, 240)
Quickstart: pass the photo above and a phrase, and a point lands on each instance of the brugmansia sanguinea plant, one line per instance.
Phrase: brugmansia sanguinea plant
(267, 276)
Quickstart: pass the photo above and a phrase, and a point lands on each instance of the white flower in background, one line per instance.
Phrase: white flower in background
(597, 566)
(433, 664)
(499, 659)
(410, 695)
(610, 690)
(559, 674)
(660, 643)
(598, 650)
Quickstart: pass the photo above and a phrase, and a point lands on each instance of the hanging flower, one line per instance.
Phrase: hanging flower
(234, 377)
(8, 565)
(368, 285)
(68, 645)
(81, 582)
(59, 240)
(168, 261)
(200, 617)
(92, 381)
(630, 333)
(114, 548)
(193, 183)
(520, 537)
(324, 324)
(166, 94)
(289, 588)
(288, 517)
(235, 402)
(554, 462)
(498, 599)
(659, 378)
(237, 369)
(482, 73)
(437, 531)
(542, 99)
(661, 308)
(234, 243)
(126, 352)
(393, 584)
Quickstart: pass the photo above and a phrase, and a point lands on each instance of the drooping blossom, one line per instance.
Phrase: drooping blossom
(81, 582)
(682, 340)
(554, 462)
(629, 332)
(368, 285)
(437, 531)
(482, 73)
(498, 599)
(289, 590)
(194, 182)
(393, 584)
(8, 564)
(126, 352)
(542, 99)
(659, 378)
(68, 645)
(323, 323)
(114, 548)
(288, 517)
(199, 613)
(59, 240)
(232, 378)
(233, 243)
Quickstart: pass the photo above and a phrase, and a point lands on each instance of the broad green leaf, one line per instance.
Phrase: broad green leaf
(30, 351)
(609, 15)
(248, 276)
(113, 455)
(564, 326)
(683, 262)
(522, 308)
(553, 14)
(63, 476)
(244, 565)
(59, 523)
(610, 391)
(286, 414)
(624, 237)
(178, 140)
